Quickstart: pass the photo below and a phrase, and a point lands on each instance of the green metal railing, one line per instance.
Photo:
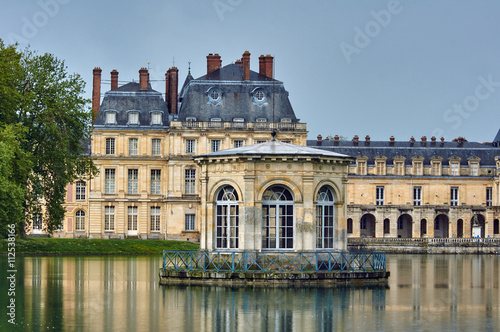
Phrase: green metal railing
(317, 261)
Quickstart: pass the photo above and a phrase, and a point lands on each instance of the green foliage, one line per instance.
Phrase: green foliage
(45, 100)
(44, 246)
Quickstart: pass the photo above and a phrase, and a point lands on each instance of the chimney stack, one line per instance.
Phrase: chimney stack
(319, 140)
(96, 91)
(433, 138)
(246, 66)
(266, 65)
(172, 83)
(214, 62)
(239, 62)
(114, 79)
(392, 139)
(412, 139)
(143, 79)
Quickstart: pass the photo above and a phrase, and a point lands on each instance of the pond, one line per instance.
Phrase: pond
(111, 293)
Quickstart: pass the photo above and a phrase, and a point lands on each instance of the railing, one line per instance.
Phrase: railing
(265, 126)
(320, 261)
(409, 241)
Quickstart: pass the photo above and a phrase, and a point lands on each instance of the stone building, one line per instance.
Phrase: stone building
(419, 189)
(201, 165)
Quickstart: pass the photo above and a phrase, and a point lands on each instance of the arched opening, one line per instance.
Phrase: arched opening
(405, 226)
(80, 220)
(496, 228)
(367, 226)
(277, 218)
(460, 228)
(349, 226)
(325, 218)
(226, 218)
(423, 228)
(478, 224)
(387, 226)
(441, 226)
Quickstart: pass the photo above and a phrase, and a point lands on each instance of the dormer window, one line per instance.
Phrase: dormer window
(214, 96)
(156, 118)
(259, 96)
(261, 120)
(133, 118)
(110, 117)
(191, 118)
(286, 120)
(238, 120)
(216, 119)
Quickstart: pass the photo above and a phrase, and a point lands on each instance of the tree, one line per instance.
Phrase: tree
(49, 104)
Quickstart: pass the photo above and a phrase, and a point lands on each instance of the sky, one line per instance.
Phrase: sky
(364, 67)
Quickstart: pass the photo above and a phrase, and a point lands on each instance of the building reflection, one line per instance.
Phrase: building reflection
(122, 293)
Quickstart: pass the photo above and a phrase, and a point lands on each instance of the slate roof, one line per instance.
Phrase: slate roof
(130, 97)
(446, 150)
(238, 100)
(274, 147)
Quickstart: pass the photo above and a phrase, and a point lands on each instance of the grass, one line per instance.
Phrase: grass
(53, 246)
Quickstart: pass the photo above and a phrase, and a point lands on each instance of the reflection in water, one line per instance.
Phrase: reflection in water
(440, 292)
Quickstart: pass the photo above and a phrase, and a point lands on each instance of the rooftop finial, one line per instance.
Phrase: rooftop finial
(189, 67)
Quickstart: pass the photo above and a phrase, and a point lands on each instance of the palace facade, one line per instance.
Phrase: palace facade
(201, 165)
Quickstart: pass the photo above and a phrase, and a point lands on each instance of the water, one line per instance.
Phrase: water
(425, 293)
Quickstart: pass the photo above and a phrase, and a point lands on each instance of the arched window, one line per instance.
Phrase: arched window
(80, 220)
(325, 218)
(277, 218)
(227, 218)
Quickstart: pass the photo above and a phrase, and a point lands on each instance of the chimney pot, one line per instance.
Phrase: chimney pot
(412, 139)
(336, 138)
(320, 138)
(424, 138)
(355, 138)
(442, 139)
(433, 138)
(367, 138)
(392, 139)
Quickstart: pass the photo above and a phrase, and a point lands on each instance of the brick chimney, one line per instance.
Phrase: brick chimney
(239, 62)
(96, 91)
(319, 140)
(246, 66)
(266, 65)
(114, 79)
(214, 62)
(172, 85)
(412, 139)
(336, 138)
(433, 138)
(392, 139)
(143, 78)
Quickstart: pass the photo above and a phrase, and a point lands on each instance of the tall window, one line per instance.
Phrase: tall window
(109, 181)
(189, 222)
(80, 220)
(454, 196)
(380, 195)
(109, 218)
(110, 146)
(155, 182)
(489, 191)
(190, 146)
(417, 196)
(133, 144)
(454, 170)
(436, 168)
(380, 165)
(133, 118)
(190, 181)
(361, 167)
(227, 218)
(156, 147)
(215, 145)
(133, 181)
(474, 169)
(238, 143)
(110, 118)
(132, 218)
(156, 118)
(399, 168)
(325, 218)
(80, 190)
(277, 218)
(155, 219)
(37, 221)
(418, 168)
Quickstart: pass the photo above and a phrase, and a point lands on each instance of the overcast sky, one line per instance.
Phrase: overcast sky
(373, 67)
